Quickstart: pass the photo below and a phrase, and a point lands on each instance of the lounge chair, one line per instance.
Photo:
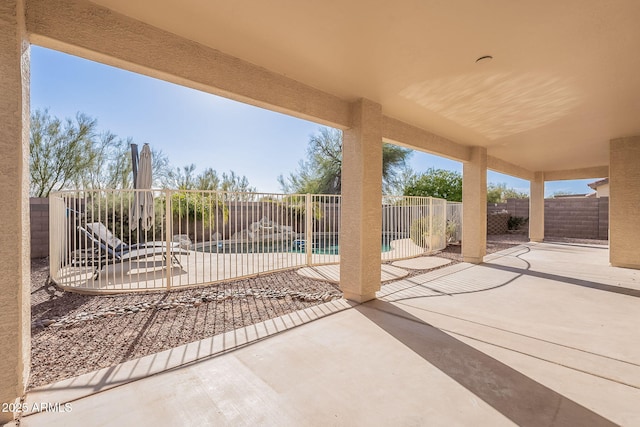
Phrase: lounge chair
(104, 254)
(102, 233)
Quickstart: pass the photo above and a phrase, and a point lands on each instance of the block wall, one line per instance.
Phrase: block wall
(572, 218)
(39, 217)
(586, 218)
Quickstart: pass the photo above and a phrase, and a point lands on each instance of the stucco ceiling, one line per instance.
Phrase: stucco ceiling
(564, 79)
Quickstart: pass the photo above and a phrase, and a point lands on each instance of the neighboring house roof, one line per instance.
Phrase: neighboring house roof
(569, 196)
(594, 185)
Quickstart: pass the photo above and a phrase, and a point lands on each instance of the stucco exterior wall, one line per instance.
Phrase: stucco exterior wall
(361, 216)
(603, 191)
(624, 201)
(14, 193)
(537, 209)
(474, 199)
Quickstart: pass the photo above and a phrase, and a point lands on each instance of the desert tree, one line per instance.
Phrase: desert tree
(321, 172)
(499, 193)
(71, 153)
(60, 151)
(439, 183)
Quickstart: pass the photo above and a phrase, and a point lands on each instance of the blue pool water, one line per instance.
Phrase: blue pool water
(299, 247)
(296, 246)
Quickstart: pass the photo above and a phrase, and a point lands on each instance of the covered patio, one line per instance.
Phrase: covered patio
(545, 91)
(540, 334)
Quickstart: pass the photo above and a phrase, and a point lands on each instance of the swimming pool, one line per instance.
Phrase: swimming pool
(326, 249)
(320, 247)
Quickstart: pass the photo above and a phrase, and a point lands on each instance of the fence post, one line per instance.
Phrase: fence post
(430, 224)
(308, 228)
(167, 221)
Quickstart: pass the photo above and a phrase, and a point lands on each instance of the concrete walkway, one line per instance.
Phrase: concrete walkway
(541, 335)
(331, 273)
(395, 271)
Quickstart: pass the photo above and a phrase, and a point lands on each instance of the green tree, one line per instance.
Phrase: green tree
(185, 178)
(208, 180)
(115, 170)
(402, 179)
(71, 153)
(60, 152)
(118, 167)
(321, 173)
(160, 167)
(499, 193)
(233, 183)
(202, 205)
(114, 159)
(436, 183)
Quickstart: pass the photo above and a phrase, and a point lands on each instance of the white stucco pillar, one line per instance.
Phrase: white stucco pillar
(536, 208)
(15, 330)
(624, 202)
(361, 213)
(474, 206)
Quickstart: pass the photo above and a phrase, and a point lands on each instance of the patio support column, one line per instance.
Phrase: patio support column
(361, 212)
(15, 328)
(474, 206)
(536, 208)
(624, 201)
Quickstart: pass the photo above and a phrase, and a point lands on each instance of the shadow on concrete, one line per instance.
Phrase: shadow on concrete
(569, 280)
(603, 246)
(513, 394)
(417, 287)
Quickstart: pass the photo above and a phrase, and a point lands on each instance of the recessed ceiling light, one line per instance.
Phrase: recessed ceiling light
(484, 59)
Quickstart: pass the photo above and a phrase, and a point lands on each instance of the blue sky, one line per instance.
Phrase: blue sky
(196, 127)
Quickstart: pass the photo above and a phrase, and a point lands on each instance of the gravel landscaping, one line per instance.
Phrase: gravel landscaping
(73, 334)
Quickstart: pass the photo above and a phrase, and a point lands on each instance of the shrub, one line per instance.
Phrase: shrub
(451, 230)
(198, 206)
(515, 222)
(420, 233)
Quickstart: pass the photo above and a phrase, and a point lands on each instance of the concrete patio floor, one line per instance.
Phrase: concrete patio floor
(539, 335)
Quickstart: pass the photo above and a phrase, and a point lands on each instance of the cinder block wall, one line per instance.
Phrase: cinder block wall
(39, 215)
(518, 207)
(571, 218)
(586, 218)
(603, 218)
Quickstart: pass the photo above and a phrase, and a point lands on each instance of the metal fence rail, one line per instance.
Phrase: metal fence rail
(412, 226)
(454, 222)
(195, 237)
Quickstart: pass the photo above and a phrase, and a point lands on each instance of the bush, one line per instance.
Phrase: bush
(515, 222)
(420, 233)
(451, 231)
(198, 206)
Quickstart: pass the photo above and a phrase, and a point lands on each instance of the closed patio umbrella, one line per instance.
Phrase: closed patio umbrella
(143, 200)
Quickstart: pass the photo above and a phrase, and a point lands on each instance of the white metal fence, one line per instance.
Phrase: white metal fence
(412, 226)
(200, 237)
(454, 222)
